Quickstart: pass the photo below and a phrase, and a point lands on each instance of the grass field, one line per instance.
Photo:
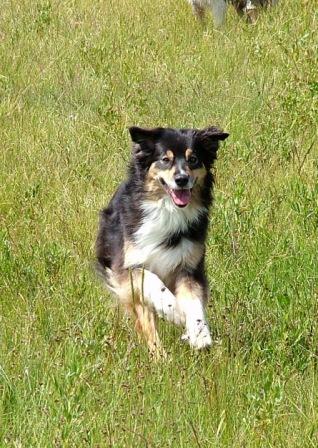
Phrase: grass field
(73, 76)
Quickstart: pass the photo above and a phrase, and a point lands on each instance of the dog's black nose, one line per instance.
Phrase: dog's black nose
(181, 180)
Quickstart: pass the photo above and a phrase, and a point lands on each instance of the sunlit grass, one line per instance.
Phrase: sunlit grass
(73, 76)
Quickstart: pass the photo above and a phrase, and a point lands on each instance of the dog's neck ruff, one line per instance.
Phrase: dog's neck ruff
(161, 220)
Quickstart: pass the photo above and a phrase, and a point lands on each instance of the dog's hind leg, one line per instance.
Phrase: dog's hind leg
(146, 326)
(150, 297)
(145, 296)
(218, 8)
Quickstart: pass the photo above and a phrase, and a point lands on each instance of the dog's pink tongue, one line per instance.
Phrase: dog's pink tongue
(181, 197)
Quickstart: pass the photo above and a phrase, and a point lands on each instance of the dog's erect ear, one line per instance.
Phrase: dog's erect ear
(211, 134)
(208, 140)
(141, 135)
(144, 144)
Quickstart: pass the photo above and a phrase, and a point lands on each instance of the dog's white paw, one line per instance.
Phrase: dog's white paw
(199, 335)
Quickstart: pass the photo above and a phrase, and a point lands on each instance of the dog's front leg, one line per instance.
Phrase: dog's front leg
(191, 296)
(156, 295)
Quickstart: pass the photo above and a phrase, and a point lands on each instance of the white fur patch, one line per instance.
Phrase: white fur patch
(161, 220)
(160, 298)
(197, 330)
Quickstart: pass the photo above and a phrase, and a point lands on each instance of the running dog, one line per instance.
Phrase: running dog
(218, 7)
(151, 241)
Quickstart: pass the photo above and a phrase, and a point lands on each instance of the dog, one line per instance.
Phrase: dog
(150, 245)
(249, 8)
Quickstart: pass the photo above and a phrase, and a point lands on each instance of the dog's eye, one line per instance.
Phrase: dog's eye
(193, 160)
(165, 159)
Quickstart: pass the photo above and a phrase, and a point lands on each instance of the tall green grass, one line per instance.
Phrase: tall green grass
(73, 76)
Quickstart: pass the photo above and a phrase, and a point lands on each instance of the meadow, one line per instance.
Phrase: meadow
(73, 76)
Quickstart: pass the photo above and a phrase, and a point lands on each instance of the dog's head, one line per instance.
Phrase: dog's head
(175, 161)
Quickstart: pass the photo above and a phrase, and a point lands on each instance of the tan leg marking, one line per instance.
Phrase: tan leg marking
(146, 327)
(145, 296)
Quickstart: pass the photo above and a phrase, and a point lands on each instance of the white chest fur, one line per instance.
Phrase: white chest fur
(161, 219)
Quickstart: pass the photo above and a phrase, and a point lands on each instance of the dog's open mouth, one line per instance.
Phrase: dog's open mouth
(181, 198)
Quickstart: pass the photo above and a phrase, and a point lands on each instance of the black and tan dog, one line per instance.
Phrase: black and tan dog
(151, 241)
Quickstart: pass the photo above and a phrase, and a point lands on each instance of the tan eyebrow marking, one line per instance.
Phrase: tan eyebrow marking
(170, 154)
(188, 153)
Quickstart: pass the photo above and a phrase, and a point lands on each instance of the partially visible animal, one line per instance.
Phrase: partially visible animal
(151, 241)
(249, 8)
